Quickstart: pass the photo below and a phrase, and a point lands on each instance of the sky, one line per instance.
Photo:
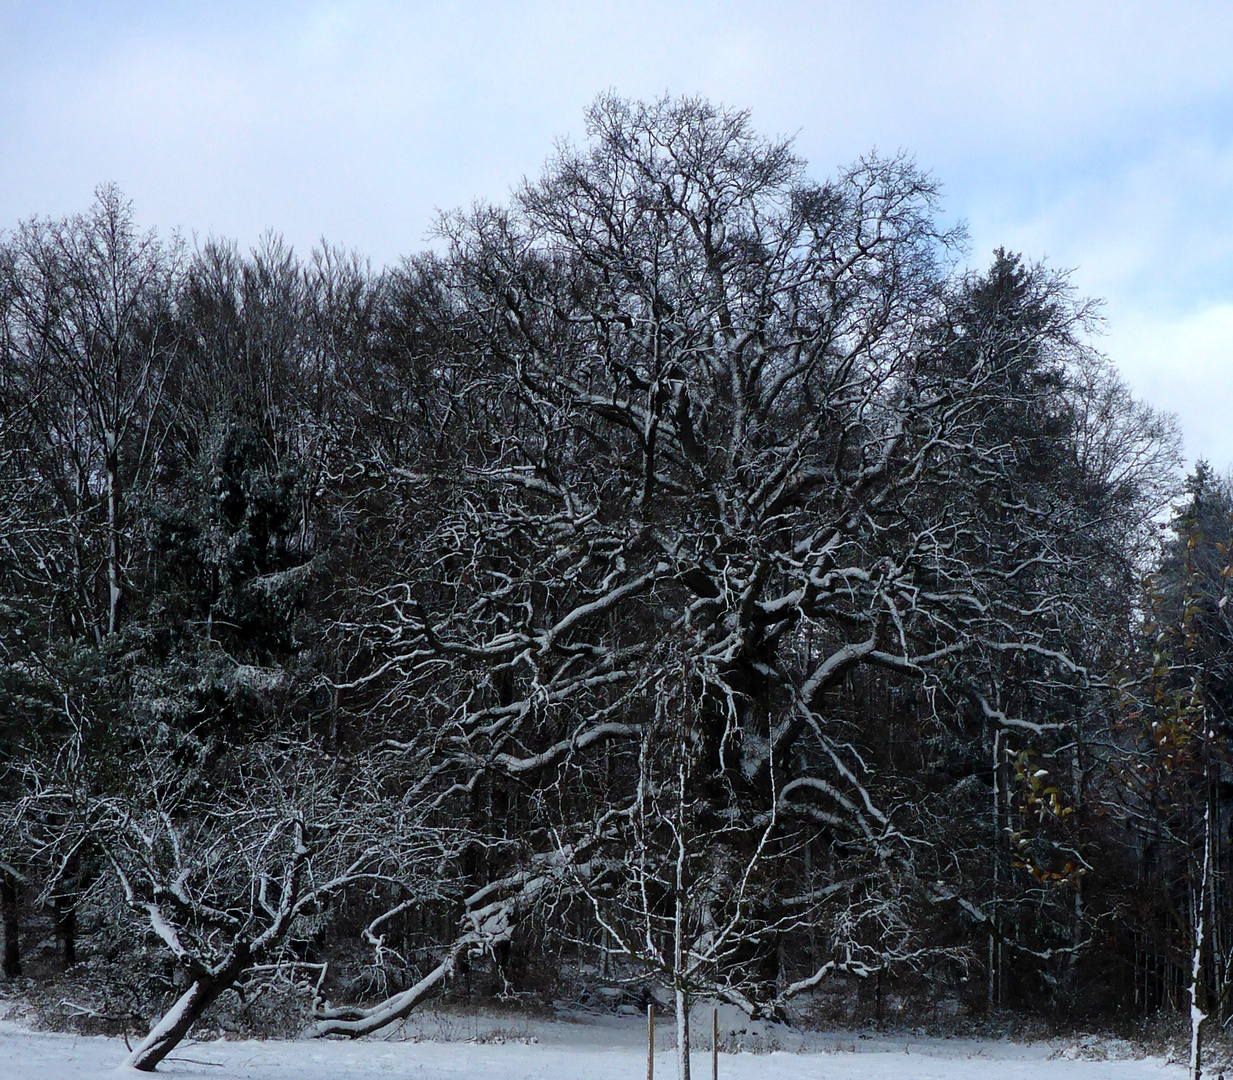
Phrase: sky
(1097, 137)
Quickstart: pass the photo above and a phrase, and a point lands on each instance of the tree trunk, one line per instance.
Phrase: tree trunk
(202, 992)
(1197, 1015)
(176, 1022)
(682, 1034)
(995, 852)
(66, 929)
(355, 1023)
(1069, 983)
(678, 938)
(113, 531)
(12, 953)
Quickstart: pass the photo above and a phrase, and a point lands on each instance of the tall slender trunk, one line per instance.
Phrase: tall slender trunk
(9, 904)
(1218, 906)
(678, 938)
(682, 1034)
(66, 929)
(113, 532)
(996, 851)
(1070, 982)
(682, 997)
(1197, 1015)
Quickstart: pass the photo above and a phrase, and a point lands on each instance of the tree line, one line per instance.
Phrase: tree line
(685, 576)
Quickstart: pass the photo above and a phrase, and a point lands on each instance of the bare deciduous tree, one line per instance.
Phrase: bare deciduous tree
(708, 417)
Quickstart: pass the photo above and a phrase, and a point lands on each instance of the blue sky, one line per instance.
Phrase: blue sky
(1098, 137)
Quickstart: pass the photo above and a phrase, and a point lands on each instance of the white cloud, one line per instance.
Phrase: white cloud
(1151, 234)
(1158, 223)
(1183, 364)
(1097, 134)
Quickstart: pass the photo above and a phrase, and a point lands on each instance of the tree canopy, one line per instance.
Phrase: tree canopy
(688, 569)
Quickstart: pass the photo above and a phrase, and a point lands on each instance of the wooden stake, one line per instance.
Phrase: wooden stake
(714, 1044)
(650, 1041)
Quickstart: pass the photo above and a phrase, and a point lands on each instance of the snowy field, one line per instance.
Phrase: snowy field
(452, 1048)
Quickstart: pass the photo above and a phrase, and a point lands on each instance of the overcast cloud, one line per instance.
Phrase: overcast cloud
(1096, 136)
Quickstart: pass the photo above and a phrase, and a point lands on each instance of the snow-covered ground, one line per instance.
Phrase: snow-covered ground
(450, 1046)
